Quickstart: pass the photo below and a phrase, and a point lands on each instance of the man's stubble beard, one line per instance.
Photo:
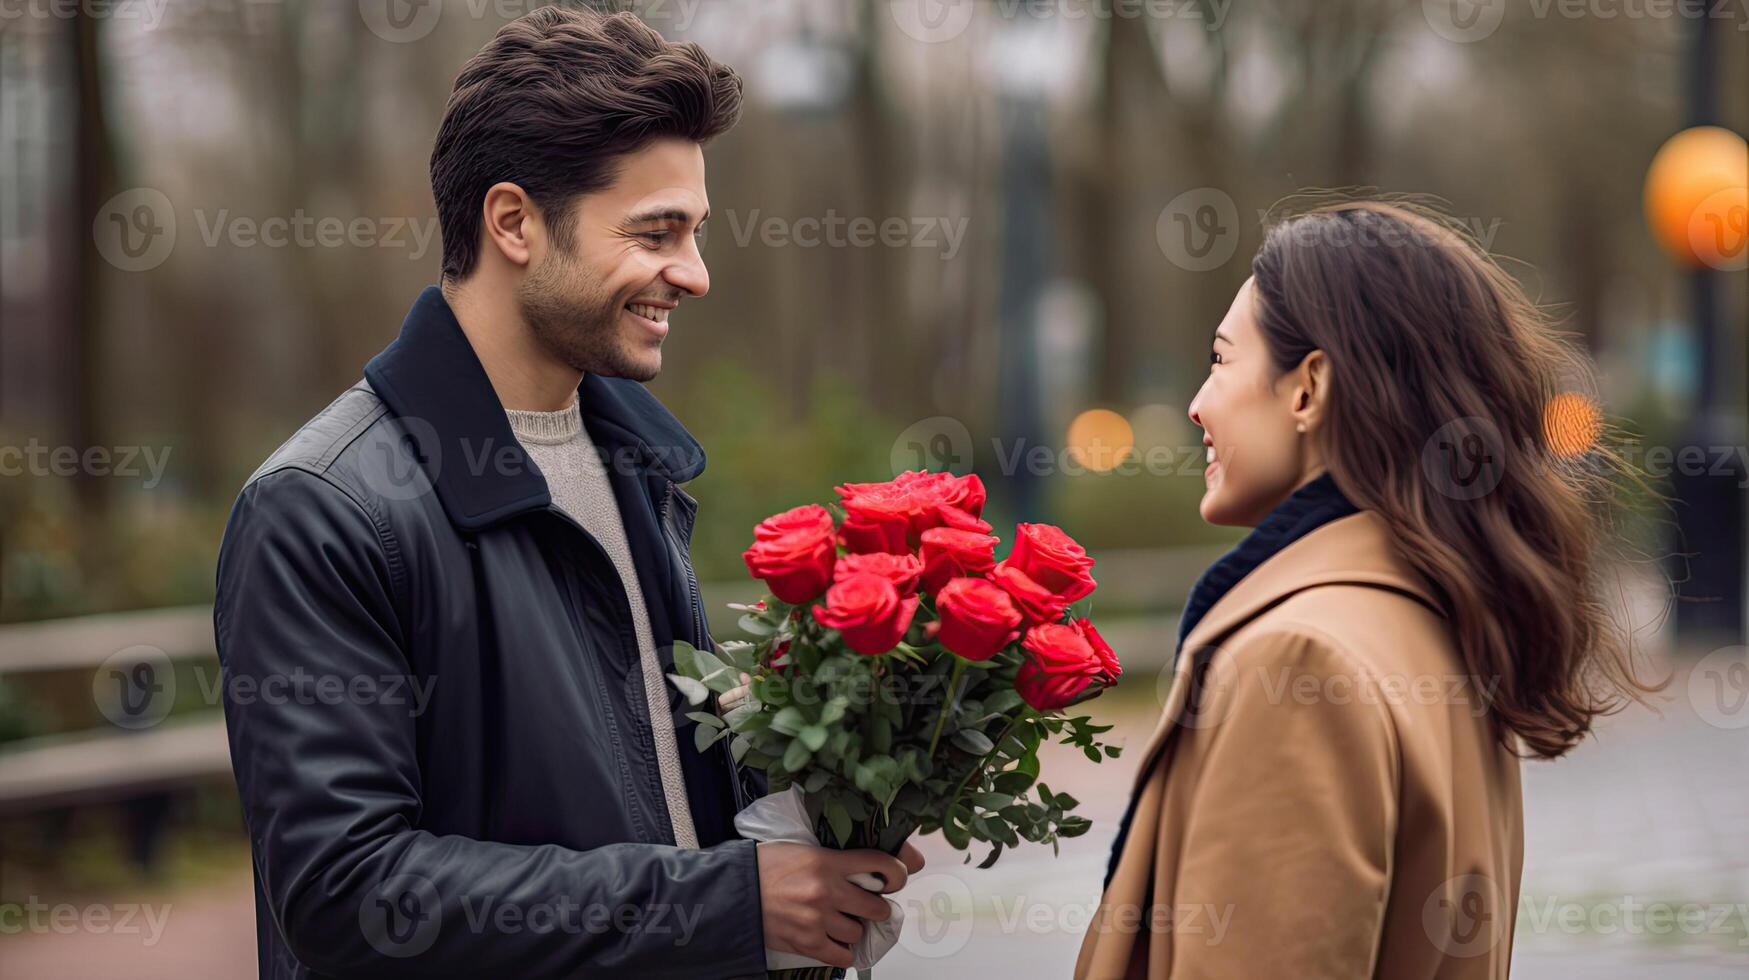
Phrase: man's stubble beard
(575, 319)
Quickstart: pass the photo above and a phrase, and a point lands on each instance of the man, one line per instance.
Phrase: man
(464, 576)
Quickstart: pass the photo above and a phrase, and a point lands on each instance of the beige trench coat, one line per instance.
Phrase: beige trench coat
(1331, 801)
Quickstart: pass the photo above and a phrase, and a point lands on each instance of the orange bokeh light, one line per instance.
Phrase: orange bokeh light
(1571, 423)
(1697, 197)
(1099, 439)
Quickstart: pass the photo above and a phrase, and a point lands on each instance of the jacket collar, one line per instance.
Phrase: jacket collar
(1310, 507)
(1353, 550)
(430, 378)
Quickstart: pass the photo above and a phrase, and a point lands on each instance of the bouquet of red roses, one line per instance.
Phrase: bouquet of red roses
(904, 678)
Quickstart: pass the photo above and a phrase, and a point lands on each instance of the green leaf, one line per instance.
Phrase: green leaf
(1003, 701)
(992, 801)
(1064, 801)
(682, 658)
(789, 721)
(1073, 826)
(796, 756)
(833, 711)
(695, 692)
(955, 834)
(995, 852)
(753, 625)
(738, 748)
(1013, 781)
(839, 821)
(813, 736)
(702, 737)
(705, 718)
(973, 741)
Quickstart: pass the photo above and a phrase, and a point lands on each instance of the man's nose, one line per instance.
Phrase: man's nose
(688, 272)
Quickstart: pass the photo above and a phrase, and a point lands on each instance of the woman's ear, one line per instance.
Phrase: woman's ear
(1311, 391)
(510, 222)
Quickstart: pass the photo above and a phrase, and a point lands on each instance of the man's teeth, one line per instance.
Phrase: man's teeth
(655, 313)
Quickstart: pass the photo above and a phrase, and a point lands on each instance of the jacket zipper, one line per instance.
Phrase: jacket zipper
(742, 798)
(628, 633)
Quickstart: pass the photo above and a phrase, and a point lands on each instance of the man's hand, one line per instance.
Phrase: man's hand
(809, 905)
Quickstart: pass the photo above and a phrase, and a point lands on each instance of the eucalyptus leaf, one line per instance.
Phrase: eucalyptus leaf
(695, 692)
(973, 741)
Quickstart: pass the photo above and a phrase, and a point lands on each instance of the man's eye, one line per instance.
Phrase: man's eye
(1214, 357)
(655, 237)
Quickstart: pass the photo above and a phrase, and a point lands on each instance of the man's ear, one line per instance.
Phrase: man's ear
(511, 222)
(1311, 390)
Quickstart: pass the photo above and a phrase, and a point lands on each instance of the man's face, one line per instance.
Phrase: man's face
(603, 306)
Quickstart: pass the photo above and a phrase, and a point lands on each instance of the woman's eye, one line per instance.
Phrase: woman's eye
(1214, 357)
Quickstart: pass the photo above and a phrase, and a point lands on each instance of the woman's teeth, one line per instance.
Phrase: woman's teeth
(655, 313)
(1211, 454)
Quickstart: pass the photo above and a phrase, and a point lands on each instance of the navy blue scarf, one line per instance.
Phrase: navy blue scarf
(1304, 511)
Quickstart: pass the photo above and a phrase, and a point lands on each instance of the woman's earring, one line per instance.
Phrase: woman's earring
(1300, 427)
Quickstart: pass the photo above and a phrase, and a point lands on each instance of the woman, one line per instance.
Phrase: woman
(1333, 790)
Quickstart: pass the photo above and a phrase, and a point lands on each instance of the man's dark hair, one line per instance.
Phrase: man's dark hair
(552, 102)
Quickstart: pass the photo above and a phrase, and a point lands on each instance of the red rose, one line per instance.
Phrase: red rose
(795, 564)
(808, 517)
(1053, 560)
(1101, 649)
(1037, 603)
(879, 520)
(949, 553)
(902, 570)
(925, 499)
(868, 612)
(977, 618)
(960, 520)
(1060, 668)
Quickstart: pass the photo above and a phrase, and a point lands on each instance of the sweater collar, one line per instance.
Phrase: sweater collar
(430, 378)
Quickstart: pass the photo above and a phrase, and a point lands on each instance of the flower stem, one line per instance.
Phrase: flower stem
(953, 681)
(979, 765)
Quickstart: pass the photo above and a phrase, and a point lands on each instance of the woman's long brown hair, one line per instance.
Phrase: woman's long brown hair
(1442, 375)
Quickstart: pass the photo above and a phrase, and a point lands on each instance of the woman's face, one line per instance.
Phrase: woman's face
(1249, 417)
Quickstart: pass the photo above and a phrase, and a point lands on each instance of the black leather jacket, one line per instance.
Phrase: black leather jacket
(436, 710)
